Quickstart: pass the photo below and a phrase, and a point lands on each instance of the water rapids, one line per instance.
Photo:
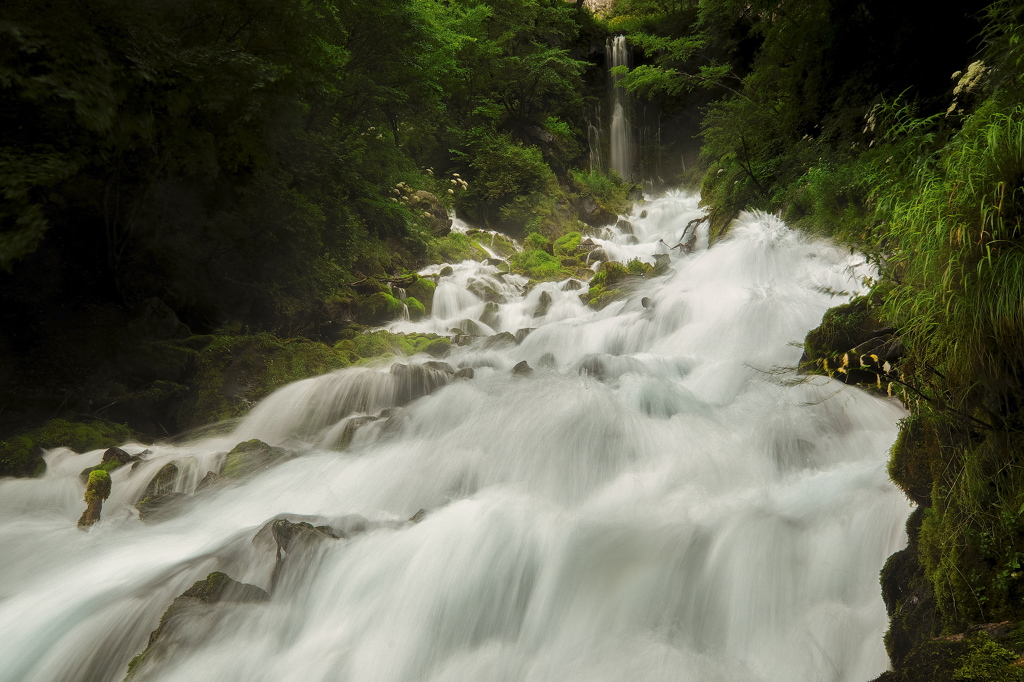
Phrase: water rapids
(657, 500)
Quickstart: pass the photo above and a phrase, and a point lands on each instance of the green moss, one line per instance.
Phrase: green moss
(454, 248)
(416, 309)
(378, 308)
(234, 372)
(638, 268)
(988, 661)
(567, 245)
(98, 486)
(20, 455)
(601, 291)
(538, 265)
(423, 291)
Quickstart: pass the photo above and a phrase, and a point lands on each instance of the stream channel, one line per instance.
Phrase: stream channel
(661, 497)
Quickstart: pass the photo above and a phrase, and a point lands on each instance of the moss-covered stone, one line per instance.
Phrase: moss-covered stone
(567, 246)
(97, 489)
(539, 265)
(416, 309)
(21, 455)
(423, 291)
(251, 457)
(377, 309)
(602, 290)
(455, 248)
(853, 345)
(237, 371)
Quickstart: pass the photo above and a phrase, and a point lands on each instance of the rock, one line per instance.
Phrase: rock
(490, 314)
(522, 369)
(521, 334)
(598, 254)
(423, 291)
(494, 261)
(645, 302)
(502, 340)
(572, 285)
(416, 381)
(632, 240)
(292, 537)
(97, 489)
(543, 305)
(252, 457)
(161, 507)
(163, 482)
(191, 619)
(486, 292)
(465, 373)
(547, 360)
(438, 348)
(349, 432)
(661, 265)
(643, 213)
(439, 221)
(211, 480)
(116, 454)
(418, 516)
(446, 271)
(471, 328)
(636, 193)
(624, 225)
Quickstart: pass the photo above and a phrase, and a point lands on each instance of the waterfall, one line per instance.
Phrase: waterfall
(658, 499)
(623, 156)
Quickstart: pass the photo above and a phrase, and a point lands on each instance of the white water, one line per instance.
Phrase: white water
(621, 137)
(685, 516)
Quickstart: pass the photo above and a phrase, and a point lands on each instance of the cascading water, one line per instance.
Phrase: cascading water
(654, 501)
(623, 157)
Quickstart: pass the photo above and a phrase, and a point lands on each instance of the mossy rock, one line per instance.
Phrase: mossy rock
(913, 458)
(21, 455)
(539, 265)
(252, 457)
(455, 248)
(423, 291)
(377, 309)
(601, 291)
(382, 343)
(416, 309)
(235, 372)
(567, 246)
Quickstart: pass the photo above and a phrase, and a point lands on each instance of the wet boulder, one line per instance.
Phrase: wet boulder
(490, 314)
(522, 369)
(416, 381)
(572, 285)
(661, 265)
(624, 225)
(161, 507)
(190, 621)
(543, 305)
(502, 340)
(252, 457)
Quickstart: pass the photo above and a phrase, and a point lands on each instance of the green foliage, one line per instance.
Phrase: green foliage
(608, 190)
(537, 242)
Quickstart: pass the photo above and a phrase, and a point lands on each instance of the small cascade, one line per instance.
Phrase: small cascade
(622, 144)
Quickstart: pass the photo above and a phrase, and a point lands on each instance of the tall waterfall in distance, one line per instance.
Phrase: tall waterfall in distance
(623, 157)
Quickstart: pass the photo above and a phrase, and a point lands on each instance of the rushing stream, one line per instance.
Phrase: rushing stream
(656, 500)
